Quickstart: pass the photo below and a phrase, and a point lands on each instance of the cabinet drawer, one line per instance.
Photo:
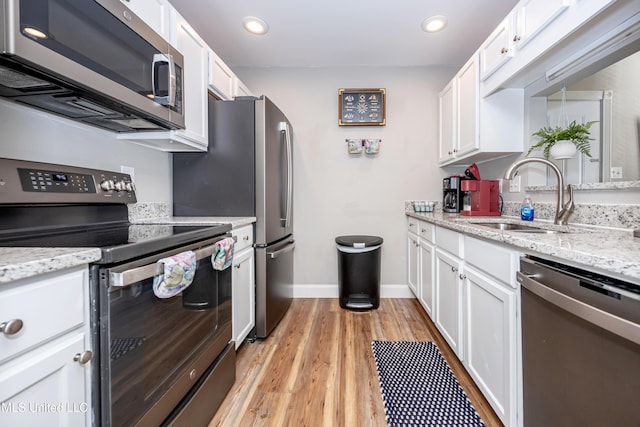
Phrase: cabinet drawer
(495, 260)
(412, 225)
(449, 240)
(426, 231)
(47, 308)
(245, 237)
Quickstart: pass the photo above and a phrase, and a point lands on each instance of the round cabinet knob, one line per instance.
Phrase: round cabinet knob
(454, 269)
(462, 276)
(237, 265)
(516, 38)
(107, 185)
(504, 50)
(83, 358)
(11, 327)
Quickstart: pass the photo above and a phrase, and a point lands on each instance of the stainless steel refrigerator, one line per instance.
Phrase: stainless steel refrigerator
(247, 171)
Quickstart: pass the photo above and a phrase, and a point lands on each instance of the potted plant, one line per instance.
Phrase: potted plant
(562, 142)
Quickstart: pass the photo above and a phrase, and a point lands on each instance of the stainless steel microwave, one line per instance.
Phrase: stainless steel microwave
(92, 61)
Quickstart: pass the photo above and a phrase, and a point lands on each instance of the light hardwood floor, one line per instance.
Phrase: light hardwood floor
(317, 368)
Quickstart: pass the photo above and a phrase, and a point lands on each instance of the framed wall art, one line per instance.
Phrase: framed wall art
(361, 107)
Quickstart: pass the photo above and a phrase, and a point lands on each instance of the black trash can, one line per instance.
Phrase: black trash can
(359, 271)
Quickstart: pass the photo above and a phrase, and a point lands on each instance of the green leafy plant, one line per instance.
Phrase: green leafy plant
(576, 133)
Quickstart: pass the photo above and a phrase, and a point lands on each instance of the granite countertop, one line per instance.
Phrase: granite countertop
(20, 263)
(610, 251)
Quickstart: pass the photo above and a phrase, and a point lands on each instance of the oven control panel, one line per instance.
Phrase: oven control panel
(33, 182)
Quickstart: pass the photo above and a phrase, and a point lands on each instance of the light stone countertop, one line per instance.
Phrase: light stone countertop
(20, 263)
(609, 251)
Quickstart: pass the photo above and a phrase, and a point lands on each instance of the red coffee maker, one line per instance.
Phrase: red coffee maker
(481, 197)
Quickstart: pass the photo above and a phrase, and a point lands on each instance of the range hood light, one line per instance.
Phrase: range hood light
(255, 25)
(34, 32)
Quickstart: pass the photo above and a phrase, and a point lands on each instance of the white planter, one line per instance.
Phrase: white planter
(564, 149)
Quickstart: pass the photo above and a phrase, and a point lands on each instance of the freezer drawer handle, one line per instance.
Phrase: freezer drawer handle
(279, 252)
(125, 278)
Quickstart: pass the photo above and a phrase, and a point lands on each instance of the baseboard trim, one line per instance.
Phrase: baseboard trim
(331, 291)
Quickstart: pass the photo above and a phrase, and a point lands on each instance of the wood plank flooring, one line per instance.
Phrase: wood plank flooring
(317, 368)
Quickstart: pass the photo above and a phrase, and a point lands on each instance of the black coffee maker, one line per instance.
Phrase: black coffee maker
(451, 194)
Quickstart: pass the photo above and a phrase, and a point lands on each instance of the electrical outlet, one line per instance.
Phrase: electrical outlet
(129, 170)
(515, 185)
(616, 172)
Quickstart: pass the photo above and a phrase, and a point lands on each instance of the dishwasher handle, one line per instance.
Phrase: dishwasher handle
(614, 324)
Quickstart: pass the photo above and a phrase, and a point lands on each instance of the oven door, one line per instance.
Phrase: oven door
(153, 351)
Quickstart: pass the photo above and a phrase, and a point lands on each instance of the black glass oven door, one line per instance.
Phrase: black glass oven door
(153, 350)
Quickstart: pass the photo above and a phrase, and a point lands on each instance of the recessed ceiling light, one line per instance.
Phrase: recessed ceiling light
(434, 24)
(255, 25)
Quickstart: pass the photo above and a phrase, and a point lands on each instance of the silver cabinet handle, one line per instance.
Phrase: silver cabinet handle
(11, 327)
(454, 269)
(237, 266)
(462, 277)
(245, 238)
(83, 358)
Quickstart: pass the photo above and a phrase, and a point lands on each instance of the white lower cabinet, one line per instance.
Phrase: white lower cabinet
(449, 295)
(412, 263)
(426, 284)
(45, 360)
(490, 345)
(243, 285)
(468, 287)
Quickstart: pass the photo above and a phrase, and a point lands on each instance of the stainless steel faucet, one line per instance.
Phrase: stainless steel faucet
(563, 210)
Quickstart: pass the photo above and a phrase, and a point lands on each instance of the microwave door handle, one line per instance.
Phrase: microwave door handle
(122, 279)
(158, 59)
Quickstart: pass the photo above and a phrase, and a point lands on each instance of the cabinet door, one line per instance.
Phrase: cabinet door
(491, 341)
(534, 16)
(155, 13)
(241, 89)
(196, 65)
(496, 51)
(412, 263)
(447, 122)
(221, 78)
(243, 295)
(467, 95)
(426, 289)
(448, 308)
(46, 387)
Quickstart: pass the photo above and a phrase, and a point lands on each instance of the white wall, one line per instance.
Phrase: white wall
(338, 194)
(29, 134)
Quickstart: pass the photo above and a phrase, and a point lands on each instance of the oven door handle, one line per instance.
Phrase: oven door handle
(123, 278)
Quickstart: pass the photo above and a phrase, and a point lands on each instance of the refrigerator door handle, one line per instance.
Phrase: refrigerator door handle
(279, 252)
(284, 127)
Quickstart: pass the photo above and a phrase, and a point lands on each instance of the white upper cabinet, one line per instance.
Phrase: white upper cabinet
(241, 89)
(221, 78)
(532, 16)
(154, 13)
(194, 137)
(474, 128)
(497, 49)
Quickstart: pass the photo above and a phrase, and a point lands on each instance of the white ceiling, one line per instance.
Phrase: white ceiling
(334, 33)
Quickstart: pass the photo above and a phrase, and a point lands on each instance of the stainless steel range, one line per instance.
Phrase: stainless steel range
(157, 361)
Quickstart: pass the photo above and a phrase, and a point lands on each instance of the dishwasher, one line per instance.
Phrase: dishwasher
(580, 347)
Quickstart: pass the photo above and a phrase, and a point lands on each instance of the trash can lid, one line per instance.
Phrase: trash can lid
(359, 241)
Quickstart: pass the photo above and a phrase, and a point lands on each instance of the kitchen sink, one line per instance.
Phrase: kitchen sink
(517, 227)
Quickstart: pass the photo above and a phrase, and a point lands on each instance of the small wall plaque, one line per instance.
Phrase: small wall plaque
(361, 107)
